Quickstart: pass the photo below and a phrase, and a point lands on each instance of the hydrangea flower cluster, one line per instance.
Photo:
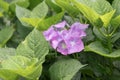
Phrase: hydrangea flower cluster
(66, 39)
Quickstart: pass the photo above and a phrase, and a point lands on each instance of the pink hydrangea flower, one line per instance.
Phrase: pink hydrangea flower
(66, 41)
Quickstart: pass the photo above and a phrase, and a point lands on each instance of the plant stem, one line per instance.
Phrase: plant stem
(109, 43)
(84, 77)
(109, 40)
(77, 56)
(55, 53)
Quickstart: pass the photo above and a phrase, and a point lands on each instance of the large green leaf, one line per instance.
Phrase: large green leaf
(100, 6)
(106, 18)
(5, 74)
(32, 18)
(64, 69)
(68, 7)
(5, 35)
(46, 23)
(116, 5)
(34, 46)
(23, 3)
(6, 52)
(23, 66)
(30, 56)
(40, 11)
(87, 11)
(99, 49)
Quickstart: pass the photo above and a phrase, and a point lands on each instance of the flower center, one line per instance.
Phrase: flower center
(72, 43)
(63, 45)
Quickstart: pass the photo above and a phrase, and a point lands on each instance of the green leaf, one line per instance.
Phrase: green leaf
(31, 21)
(90, 36)
(87, 11)
(115, 54)
(5, 35)
(23, 66)
(98, 34)
(116, 5)
(1, 15)
(106, 18)
(46, 23)
(34, 3)
(100, 6)
(22, 31)
(53, 6)
(68, 7)
(23, 3)
(64, 69)
(6, 52)
(32, 18)
(4, 5)
(7, 75)
(115, 37)
(34, 46)
(99, 49)
(22, 13)
(40, 11)
(115, 21)
(115, 77)
(96, 8)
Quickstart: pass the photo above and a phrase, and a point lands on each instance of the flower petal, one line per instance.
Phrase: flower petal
(60, 25)
(78, 29)
(49, 33)
(62, 48)
(75, 45)
(78, 26)
(55, 41)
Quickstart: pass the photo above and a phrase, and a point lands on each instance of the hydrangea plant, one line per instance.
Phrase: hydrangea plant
(66, 39)
(29, 27)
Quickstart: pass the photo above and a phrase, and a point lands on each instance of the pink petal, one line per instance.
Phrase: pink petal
(62, 48)
(78, 26)
(60, 25)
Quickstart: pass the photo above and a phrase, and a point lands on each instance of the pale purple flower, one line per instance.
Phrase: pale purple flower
(66, 41)
(52, 34)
